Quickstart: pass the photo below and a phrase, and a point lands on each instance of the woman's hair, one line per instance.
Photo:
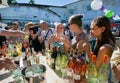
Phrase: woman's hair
(107, 35)
(76, 19)
(34, 29)
(58, 24)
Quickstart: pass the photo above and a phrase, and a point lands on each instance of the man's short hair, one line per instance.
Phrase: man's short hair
(42, 21)
(14, 23)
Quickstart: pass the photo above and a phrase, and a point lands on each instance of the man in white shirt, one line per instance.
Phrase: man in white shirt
(15, 27)
(46, 31)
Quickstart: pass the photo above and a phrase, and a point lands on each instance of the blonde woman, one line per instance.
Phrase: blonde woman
(59, 39)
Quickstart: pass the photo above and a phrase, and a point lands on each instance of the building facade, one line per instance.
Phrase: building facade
(23, 12)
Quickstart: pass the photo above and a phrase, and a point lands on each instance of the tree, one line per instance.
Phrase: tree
(31, 2)
(12, 1)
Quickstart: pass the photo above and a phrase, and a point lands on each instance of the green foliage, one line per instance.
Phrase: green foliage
(31, 2)
(11, 1)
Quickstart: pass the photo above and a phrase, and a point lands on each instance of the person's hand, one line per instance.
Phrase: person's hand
(23, 34)
(80, 46)
(40, 38)
(66, 42)
(62, 39)
(117, 72)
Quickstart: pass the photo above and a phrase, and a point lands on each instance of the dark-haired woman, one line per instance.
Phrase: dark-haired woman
(79, 41)
(100, 28)
(79, 45)
(35, 41)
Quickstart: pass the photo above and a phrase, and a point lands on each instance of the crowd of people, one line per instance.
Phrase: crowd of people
(42, 36)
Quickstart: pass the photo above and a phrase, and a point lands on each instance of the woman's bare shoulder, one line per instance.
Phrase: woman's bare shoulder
(105, 50)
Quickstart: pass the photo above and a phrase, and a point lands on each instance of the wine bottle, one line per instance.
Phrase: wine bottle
(4, 47)
(77, 67)
(53, 57)
(70, 63)
(92, 70)
(104, 71)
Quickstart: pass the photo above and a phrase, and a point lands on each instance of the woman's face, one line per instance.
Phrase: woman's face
(15, 26)
(59, 29)
(72, 27)
(31, 32)
(96, 31)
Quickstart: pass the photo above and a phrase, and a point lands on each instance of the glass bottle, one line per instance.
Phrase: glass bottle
(84, 68)
(89, 65)
(33, 56)
(70, 63)
(53, 57)
(4, 47)
(104, 71)
(48, 56)
(15, 56)
(77, 71)
(58, 59)
(92, 71)
(77, 67)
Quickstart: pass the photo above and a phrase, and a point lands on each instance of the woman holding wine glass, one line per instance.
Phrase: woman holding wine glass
(59, 39)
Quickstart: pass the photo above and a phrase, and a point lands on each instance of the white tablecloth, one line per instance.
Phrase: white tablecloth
(50, 76)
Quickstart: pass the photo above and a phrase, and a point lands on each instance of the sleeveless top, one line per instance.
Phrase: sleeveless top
(59, 45)
(110, 44)
(77, 38)
(36, 44)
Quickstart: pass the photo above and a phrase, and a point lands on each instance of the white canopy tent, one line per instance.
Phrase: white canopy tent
(3, 4)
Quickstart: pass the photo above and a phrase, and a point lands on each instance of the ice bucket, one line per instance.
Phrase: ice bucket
(34, 74)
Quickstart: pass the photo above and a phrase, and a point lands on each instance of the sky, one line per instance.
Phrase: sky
(49, 2)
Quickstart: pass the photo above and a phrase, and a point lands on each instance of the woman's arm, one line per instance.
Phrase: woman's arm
(50, 41)
(104, 50)
(82, 45)
(40, 38)
(12, 33)
(66, 42)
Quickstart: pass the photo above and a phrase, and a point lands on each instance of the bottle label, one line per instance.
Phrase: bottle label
(76, 76)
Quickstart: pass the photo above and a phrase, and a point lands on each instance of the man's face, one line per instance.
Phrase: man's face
(15, 26)
(43, 26)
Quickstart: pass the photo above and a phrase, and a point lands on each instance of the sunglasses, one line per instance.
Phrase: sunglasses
(70, 24)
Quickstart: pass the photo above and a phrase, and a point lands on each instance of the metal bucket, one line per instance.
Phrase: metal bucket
(34, 79)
